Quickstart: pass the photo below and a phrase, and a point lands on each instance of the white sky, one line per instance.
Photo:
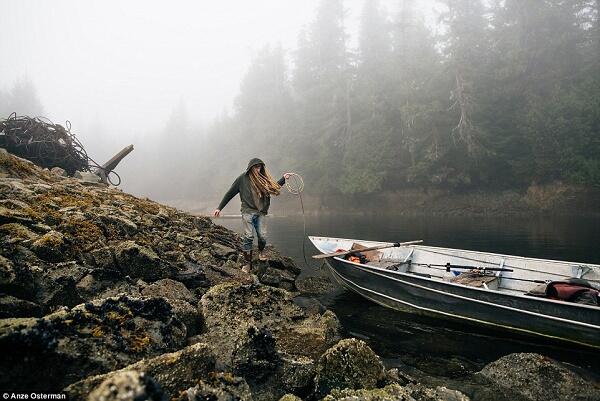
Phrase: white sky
(124, 65)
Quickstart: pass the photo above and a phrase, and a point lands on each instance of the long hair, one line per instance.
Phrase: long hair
(262, 182)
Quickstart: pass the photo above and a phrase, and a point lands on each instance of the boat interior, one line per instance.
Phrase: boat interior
(497, 272)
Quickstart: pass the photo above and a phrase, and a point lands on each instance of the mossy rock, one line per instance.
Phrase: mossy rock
(218, 387)
(174, 371)
(537, 377)
(128, 386)
(16, 231)
(49, 353)
(290, 397)
(352, 364)
(50, 246)
(138, 261)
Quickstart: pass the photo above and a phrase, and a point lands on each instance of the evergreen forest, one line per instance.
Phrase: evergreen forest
(496, 94)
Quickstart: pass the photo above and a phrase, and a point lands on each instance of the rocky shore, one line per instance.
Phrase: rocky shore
(106, 296)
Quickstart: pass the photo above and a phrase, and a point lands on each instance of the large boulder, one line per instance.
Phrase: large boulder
(56, 284)
(535, 377)
(276, 270)
(174, 371)
(229, 309)
(52, 352)
(100, 283)
(181, 299)
(50, 246)
(14, 278)
(258, 333)
(128, 386)
(138, 261)
(254, 355)
(104, 258)
(169, 289)
(352, 364)
(296, 375)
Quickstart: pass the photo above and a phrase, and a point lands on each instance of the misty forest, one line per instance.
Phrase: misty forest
(505, 95)
(496, 95)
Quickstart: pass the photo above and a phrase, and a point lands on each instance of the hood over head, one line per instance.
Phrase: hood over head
(254, 162)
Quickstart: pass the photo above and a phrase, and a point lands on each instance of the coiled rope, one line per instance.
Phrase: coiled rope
(47, 144)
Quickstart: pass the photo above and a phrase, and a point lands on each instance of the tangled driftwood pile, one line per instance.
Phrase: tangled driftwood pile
(44, 143)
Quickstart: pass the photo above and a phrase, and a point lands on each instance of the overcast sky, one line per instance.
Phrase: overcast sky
(124, 65)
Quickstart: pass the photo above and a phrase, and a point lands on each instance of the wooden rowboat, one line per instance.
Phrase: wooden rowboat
(426, 280)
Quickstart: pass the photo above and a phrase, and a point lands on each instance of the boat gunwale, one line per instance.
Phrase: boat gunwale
(449, 283)
(425, 247)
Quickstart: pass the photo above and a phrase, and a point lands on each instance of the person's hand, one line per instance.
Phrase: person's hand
(287, 175)
(217, 213)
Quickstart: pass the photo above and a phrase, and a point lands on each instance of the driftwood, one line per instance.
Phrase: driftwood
(108, 167)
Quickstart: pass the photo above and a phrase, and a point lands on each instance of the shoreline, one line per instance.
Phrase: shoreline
(102, 292)
(537, 200)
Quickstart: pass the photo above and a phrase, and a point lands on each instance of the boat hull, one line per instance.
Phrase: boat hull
(526, 315)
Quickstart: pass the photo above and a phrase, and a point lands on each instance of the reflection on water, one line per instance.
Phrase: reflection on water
(439, 347)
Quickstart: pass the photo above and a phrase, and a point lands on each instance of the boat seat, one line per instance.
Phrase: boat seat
(476, 280)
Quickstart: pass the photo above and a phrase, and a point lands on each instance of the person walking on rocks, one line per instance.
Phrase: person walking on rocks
(255, 187)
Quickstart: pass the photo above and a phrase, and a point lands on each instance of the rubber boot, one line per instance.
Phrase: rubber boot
(261, 255)
(247, 268)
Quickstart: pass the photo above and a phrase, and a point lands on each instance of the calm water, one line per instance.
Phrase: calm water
(432, 346)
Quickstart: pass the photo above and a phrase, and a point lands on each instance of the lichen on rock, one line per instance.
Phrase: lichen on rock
(352, 364)
(218, 387)
(139, 261)
(174, 371)
(537, 378)
(128, 386)
(50, 246)
(91, 338)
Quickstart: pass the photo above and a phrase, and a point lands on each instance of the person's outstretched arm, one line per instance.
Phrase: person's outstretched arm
(233, 191)
(282, 179)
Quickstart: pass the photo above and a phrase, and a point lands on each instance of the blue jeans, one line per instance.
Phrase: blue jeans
(254, 222)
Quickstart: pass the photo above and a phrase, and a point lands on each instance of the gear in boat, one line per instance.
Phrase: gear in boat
(572, 289)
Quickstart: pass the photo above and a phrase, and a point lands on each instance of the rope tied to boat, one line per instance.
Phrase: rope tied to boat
(295, 186)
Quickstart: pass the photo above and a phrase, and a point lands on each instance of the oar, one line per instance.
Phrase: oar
(373, 248)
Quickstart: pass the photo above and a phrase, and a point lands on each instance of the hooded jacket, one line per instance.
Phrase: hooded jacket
(242, 186)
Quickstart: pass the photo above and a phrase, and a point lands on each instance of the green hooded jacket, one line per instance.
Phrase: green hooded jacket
(242, 186)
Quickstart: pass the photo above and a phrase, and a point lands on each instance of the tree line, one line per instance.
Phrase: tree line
(504, 93)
